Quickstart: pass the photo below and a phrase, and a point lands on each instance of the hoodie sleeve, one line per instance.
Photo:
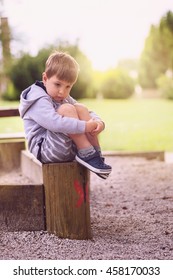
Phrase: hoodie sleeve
(43, 113)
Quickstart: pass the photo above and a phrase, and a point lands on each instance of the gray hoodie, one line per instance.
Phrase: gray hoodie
(38, 111)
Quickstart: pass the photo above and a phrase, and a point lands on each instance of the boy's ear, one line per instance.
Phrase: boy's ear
(44, 77)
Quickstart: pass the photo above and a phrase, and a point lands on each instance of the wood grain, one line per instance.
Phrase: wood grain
(67, 200)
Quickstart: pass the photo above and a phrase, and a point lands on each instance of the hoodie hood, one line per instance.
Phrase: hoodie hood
(29, 96)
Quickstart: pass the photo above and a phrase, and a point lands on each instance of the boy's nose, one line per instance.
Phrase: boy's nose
(61, 90)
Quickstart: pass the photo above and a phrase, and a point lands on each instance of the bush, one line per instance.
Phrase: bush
(117, 84)
(165, 86)
(84, 85)
(27, 69)
(22, 74)
(11, 93)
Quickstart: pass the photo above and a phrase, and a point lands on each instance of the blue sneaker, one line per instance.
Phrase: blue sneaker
(94, 163)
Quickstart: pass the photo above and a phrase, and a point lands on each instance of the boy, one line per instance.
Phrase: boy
(57, 127)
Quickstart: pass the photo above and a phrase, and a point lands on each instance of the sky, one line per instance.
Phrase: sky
(107, 30)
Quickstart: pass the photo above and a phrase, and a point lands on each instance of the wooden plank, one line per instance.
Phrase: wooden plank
(9, 112)
(31, 167)
(22, 207)
(10, 154)
(11, 136)
(159, 155)
(67, 200)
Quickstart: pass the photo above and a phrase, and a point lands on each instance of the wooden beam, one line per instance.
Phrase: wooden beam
(12, 136)
(67, 200)
(9, 112)
(22, 207)
(10, 154)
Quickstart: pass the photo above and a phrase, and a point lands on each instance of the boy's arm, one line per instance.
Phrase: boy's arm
(94, 116)
(43, 113)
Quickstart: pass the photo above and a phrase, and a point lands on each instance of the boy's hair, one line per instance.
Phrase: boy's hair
(63, 65)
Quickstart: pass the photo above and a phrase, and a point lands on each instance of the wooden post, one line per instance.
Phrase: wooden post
(67, 200)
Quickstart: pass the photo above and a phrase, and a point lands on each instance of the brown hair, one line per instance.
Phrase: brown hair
(63, 65)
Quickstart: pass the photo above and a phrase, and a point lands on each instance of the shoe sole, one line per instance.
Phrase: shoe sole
(93, 169)
(103, 176)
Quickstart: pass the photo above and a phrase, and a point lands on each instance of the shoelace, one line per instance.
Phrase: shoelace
(97, 160)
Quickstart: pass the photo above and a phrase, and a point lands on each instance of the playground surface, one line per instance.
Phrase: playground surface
(131, 218)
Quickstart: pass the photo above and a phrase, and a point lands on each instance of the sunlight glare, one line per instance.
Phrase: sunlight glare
(107, 31)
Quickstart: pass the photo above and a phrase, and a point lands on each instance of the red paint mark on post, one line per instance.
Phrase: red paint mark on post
(82, 191)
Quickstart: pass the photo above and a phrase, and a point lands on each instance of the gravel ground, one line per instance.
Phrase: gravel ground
(131, 216)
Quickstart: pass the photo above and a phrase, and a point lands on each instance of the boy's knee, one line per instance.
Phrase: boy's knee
(82, 112)
(66, 110)
(80, 108)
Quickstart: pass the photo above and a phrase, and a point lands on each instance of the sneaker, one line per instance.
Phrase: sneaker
(103, 176)
(94, 163)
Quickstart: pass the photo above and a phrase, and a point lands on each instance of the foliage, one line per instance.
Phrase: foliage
(23, 72)
(84, 85)
(117, 84)
(27, 69)
(157, 55)
(154, 59)
(11, 92)
(131, 66)
(165, 85)
(98, 78)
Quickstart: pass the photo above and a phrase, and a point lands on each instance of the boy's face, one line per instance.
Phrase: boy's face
(57, 89)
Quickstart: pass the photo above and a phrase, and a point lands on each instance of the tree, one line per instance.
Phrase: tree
(84, 86)
(156, 56)
(165, 86)
(5, 38)
(28, 69)
(166, 27)
(154, 59)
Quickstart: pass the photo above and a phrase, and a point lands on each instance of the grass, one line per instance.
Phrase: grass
(10, 124)
(131, 125)
(135, 125)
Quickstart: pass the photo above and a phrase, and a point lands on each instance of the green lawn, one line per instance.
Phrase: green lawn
(131, 125)
(10, 124)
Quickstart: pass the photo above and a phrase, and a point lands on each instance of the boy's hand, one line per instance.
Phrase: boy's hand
(100, 127)
(94, 127)
(91, 125)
